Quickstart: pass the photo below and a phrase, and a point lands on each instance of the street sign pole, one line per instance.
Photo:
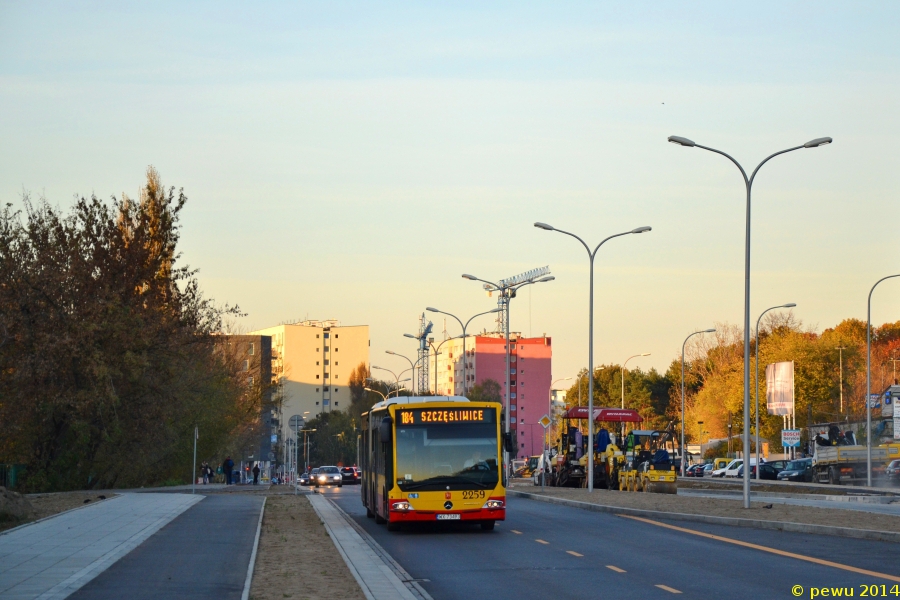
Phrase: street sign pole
(545, 423)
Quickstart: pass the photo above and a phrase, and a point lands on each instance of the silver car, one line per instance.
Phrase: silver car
(329, 476)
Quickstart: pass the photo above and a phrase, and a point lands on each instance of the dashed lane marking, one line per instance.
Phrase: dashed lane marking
(667, 588)
(516, 532)
(818, 561)
(616, 569)
(541, 542)
(573, 553)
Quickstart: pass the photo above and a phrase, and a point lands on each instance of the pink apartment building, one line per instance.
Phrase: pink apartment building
(529, 379)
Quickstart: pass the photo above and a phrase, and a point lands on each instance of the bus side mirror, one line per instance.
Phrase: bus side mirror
(384, 430)
(509, 442)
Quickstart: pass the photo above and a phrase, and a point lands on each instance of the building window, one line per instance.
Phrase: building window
(522, 372)
(326, 375)
(523, 421)
(317, 389)
(335, 336)
(512, 408)
(317, 336)
(325, 335)
(252, 349)
(326, 348)
(326, 361)
(523, 445)
(317, 363)
(317, 349)
(335, 363)
(335, 403)
(245, 366)
(317, 402)
(317, 376)
(512, 384)
(335, 349)
(513, 395)
(522, 433)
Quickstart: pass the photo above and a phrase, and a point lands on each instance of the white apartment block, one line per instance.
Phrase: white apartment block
(312, 362)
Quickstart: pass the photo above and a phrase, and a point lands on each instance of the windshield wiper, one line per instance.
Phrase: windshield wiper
(445, 479)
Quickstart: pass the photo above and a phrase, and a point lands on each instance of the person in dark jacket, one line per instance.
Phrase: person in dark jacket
(228, 467)
(256, 474)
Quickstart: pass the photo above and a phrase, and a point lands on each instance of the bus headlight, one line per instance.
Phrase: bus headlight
(402, 506)
(493, 505)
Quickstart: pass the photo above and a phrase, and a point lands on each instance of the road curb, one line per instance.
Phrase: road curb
(252, 565)
(863, 534)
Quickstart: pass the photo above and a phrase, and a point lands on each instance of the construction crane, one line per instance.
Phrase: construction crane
(422, 337)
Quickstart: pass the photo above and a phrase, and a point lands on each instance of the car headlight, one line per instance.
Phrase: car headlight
(402, 506)
(493, 504)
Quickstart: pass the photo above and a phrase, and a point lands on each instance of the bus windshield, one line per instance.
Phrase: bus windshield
(447, 456)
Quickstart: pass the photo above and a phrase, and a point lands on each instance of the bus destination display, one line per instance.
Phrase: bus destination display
(449, 416)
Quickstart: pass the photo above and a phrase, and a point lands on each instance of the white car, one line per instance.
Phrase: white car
(733, 466)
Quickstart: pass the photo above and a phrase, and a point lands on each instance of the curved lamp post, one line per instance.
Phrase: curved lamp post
(748, 184)
(789, 305)
(591, 255)
(869, 383)
(622, 374)
(683, 453)
(465, 356)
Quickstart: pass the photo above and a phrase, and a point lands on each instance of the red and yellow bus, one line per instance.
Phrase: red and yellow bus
(432, 458)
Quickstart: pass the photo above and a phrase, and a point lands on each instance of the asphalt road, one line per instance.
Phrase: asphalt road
(203, 553)
(543, 550)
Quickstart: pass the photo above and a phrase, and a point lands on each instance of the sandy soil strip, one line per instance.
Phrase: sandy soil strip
(47, 505)
(296, 557)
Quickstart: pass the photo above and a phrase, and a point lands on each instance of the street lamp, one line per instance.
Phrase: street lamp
(748, 183)
(465, 356)
(869, 383)
(683, 453)
(411, 366)
(546, 449)
(789, 305)
(591, 256)
(622, 375)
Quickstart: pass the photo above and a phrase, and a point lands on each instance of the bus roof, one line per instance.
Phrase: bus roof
(417, 400)
(605, 414)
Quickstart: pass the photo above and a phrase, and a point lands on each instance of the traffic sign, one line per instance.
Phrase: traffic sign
(545, 421)
(296, 422)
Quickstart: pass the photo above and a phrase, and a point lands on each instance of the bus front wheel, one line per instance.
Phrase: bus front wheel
(487, 525)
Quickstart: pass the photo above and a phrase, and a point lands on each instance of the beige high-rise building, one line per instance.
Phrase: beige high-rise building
(312, 362)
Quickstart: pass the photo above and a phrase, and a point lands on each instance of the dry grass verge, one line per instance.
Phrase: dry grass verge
(296, 557)
(47, 505)
(694, 505)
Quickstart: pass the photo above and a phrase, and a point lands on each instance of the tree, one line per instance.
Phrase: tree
(110, 358)
(486, 391)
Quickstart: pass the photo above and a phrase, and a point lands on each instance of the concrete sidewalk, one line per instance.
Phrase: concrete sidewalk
(54, 557)
(377, 579)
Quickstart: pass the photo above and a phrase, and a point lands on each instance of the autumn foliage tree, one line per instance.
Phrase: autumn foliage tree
(108, 358)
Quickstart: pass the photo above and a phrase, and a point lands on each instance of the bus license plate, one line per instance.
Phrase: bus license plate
(448, 517)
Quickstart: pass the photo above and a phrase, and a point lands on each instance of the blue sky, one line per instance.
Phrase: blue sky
(351, 160)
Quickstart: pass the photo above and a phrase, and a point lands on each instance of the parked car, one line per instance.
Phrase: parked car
(349, 475)
(329, 476)
(303, 479)
(694, 471)
(797, 470)
(708, 469)
(734, 464)
(893, 470)
(778, 464)
(766, 471)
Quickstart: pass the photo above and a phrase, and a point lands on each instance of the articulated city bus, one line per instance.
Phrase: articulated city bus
(432, 458)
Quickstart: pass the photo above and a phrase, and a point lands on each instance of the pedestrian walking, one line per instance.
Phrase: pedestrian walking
(256, 474)
(227, 467)
(205, 472)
